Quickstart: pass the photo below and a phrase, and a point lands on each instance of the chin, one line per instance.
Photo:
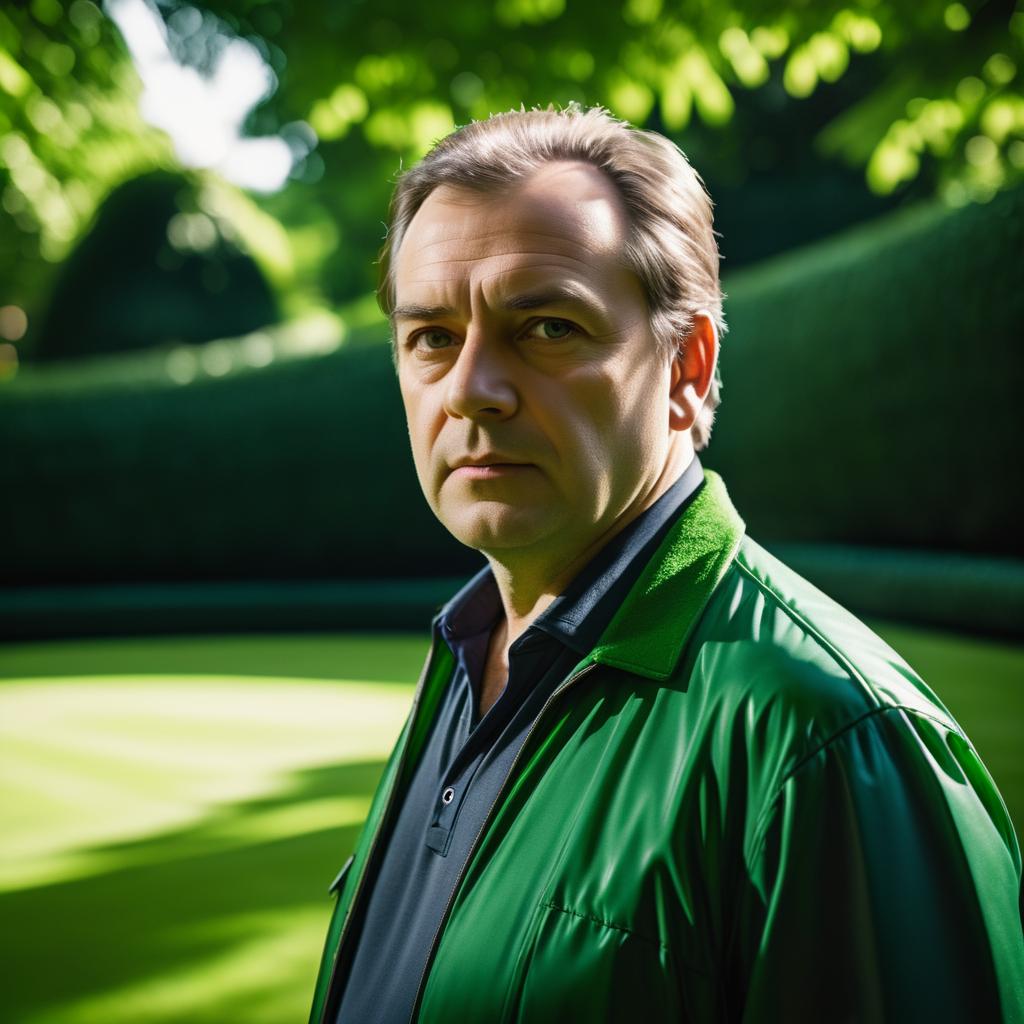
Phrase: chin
(497, 526)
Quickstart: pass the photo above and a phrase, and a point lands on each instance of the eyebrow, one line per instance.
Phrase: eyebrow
(550, 296)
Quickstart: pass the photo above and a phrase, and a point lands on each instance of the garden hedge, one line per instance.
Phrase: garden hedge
(871, 398)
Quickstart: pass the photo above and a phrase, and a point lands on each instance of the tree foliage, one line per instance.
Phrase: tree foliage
(943, 82)
(915, 93)
(70, 131)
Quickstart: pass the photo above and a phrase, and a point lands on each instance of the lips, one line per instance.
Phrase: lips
(494, 459)
(491, 466)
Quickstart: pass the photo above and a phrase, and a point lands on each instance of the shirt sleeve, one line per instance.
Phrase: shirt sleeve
(883, 883)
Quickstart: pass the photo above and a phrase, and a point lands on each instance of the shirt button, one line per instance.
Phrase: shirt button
(448, 795)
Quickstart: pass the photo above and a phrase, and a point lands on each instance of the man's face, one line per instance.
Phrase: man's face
(524, 344)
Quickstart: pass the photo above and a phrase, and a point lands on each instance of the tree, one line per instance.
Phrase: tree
(919, 96)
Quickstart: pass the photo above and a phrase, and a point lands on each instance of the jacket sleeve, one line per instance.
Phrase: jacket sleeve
(882, 884)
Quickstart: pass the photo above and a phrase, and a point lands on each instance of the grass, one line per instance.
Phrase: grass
(175, 808)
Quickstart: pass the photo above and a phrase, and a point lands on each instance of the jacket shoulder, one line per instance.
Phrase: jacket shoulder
(797, 648)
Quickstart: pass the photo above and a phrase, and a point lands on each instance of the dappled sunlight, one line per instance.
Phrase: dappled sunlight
(119, 759)
(221, 833)
(169, 840)
(294, 819)
(204, 114)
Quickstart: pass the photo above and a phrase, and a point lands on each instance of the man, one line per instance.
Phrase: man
(650, 774)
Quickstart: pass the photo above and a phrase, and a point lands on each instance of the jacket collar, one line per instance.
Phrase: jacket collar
(578, 617)
(648, 633)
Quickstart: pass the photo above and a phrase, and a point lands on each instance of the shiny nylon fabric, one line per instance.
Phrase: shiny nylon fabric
(750, 809)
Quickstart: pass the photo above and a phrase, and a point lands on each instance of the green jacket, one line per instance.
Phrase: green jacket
(742, 805)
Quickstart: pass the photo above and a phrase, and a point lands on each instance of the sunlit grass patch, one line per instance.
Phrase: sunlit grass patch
(169, 832)
(168, 838)
(108, 760)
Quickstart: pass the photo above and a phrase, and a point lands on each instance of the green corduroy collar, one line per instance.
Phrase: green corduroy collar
(650, 630)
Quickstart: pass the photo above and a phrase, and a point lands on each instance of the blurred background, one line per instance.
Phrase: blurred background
(218, 570)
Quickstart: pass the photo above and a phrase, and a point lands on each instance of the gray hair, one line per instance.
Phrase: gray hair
(672, 247)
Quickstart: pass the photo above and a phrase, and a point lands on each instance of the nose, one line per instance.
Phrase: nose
(479, 383)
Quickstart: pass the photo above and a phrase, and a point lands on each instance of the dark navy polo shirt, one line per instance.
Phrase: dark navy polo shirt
(466, 758)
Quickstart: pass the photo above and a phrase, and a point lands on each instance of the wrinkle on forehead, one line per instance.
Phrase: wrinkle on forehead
(499, 265)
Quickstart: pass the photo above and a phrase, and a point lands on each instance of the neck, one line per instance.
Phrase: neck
(530, 581)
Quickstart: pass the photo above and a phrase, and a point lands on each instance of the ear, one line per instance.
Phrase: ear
(693, 369)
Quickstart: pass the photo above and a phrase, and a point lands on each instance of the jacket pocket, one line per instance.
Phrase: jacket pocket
(576, 966)
(339, 878)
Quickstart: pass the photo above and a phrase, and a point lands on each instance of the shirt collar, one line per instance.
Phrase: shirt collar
(579, 615)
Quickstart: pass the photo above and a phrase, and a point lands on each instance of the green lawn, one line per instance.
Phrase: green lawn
(174, 809)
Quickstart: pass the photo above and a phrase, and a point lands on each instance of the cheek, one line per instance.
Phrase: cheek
(610, 409)
(643, 398)
(587, 423)
(417, 420)
(629, 417)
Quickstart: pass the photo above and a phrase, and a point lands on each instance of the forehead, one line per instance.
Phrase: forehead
(567, 219)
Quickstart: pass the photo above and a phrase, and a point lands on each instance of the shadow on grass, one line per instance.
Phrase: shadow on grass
(384, 657)
(173, 901)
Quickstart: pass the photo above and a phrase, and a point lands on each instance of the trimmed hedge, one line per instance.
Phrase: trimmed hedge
(871, 397)
(955, 592)
(298, 470)
(872, 385)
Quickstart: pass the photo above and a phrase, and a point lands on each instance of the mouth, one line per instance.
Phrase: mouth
(489, 470)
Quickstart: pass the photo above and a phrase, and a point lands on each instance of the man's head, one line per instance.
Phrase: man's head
(670, 245)
(525, 337)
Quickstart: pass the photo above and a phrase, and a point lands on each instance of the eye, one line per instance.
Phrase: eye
(431, 339)
(554, 329)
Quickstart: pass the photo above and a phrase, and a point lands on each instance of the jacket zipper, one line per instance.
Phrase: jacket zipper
(483, 825)
(385, 814)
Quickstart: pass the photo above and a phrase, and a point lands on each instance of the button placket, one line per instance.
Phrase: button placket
(446, 810)
(451, 797)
